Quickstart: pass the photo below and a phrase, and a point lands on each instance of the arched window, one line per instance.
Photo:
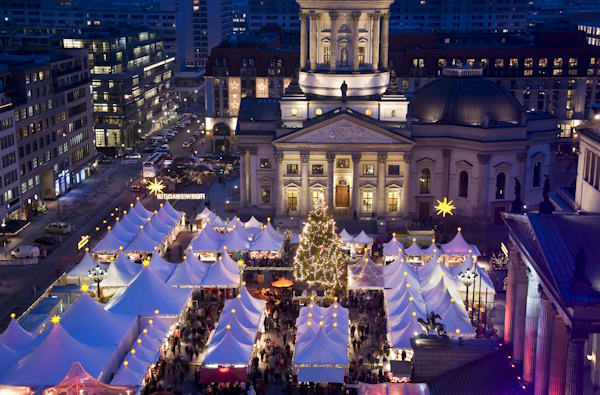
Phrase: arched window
(425, 181)
(463, 184)
(500, 186)
(537, 174)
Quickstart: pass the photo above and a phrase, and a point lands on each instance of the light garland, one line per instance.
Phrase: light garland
(319, 258)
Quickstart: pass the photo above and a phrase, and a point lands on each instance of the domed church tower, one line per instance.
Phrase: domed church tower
(342, 40)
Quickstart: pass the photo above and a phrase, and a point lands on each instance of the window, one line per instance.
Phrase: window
(500, 186)
(393, 198)
(499, 63)
(367, 201)
(326, 54)
(292, 168)
(361, 55)
(393, 170)
(537, 174)
(316, 195)
(342, 163)
(265, 163)
(425, 181)
(368, 169)
(265, 194)
(292, 200)
(463, 184)
(317, 170)
(514, 63)
(543, 62)
(529, 63)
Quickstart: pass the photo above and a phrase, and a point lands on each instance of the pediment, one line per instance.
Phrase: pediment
(345, 130)
(317, 185)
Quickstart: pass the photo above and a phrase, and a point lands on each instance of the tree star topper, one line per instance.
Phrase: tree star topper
(155, 187)
(444, 207)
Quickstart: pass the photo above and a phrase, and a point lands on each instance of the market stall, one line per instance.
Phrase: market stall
(392, 249)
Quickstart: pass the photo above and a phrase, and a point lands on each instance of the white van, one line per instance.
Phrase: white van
(59, 227)
(25, 252)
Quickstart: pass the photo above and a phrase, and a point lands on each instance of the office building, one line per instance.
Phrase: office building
(9, 170)
(132, 80)
(52, 102)
(281, 13)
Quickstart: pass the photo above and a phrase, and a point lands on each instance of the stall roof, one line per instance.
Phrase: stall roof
(84, 266)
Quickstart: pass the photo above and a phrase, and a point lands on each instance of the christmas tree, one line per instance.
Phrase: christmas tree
(319, 258)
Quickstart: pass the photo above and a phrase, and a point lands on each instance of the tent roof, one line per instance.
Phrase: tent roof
(365, 274)
(86, 264)
(400, 337)
(253, 223)
(128, 224)
(217, 222)
(243, 334)
(207, 240)
(15, 337)
(78, 379)
(88, 322)
(432, 249)
(161, 266)
(295, 239)
(228, 351)
(123, 233)
(141, 210)
(265, 241)
(345, 236)
(235, 221)
(109, 243)
(320, 350)
(168, 209)
(135, 218)
(132, 374)
(49, 363)
(414, 249)
(223, 273)
(362, 238)
(251, 303)
(321, 375)
(276, 235)
(236, 240)
(188, 273)
(160, 225)
(392, 247)
(147, 293)
(144, 242)
(457, 246)
(206, 214)
(120, 272)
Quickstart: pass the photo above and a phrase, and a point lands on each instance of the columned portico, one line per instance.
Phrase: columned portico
(355, 59)
(314, 20)
(544, 342)
(333, 47)
(575, 367)
(520, 310)
(406, 192)
(385, 33)
(279, 189)
(531, 327)
(330, 164)
(511, 287)
(381, 161)
(305, 195)
(303, 40)
(375, 41)
(558, 366)
(355, 184)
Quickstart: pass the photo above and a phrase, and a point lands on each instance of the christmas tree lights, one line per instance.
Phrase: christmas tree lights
(319, 258)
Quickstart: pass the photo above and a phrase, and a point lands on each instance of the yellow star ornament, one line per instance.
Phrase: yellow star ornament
(155, 187)
(444, 207)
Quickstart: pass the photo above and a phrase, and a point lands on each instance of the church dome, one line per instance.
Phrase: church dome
(464, 97)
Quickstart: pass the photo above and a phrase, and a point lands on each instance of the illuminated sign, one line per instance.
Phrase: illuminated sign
(83, 242)
(181, 196)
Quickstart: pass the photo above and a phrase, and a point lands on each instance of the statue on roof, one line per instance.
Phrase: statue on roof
(294, 87)
(546, 206)
(392, 88)
(344, 89)
(517, 204)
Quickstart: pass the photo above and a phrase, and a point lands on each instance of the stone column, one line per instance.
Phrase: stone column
(521, 157)
(248, 178)
(385, 34)
(446, 155)
(520, 310)
(380, 194)
(531, 327)
(406, 184)
(279, 188)
(543, 353)
(333, 41)
(304, 190)
(303, 40)
(355, 60)
(558, 365)
(595, 338)
(314, 18)
(511, 289)
(484, 185)
(355, 183)
(330, 165)
(375, 42)
(575, 365)
(243, 171)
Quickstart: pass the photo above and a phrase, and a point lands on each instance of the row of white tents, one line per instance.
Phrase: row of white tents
(121, 339)
(142, 231)
(210, 217)
(238, 238)
(456, 247)
(233, 340)
(322, 338)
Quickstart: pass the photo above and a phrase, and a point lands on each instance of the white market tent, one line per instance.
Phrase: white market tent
(129, 225)
(320, 349)
(250, 302)
(431, 250)
(414, 249)
(123, 233)
(189, 273)
(110, 243)
(84, 266)
(224, 273)
(120, 272)
(207, 240)
(49, 363)
(362, 238)
(16, 338)
(365, 274)
(276, 235)
(169, 210)
(206, 215)
(393, 247)
(161, 267)
(265, 241)
(147, 293)
(253, 223)
(235, 222)
(236, 240)
(132, 373)
(458, 246)
(144, 241)
(217, 222)
(140, 210)
(345, 236)
(228, 351)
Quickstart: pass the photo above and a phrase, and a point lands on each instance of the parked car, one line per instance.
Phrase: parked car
(105, 160)
(186, 144)
(59, 227)
(26, 251)
(45, 240)
(148, 150)
(133, 155)
(136, 188)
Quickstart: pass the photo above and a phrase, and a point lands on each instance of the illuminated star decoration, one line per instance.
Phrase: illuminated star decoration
(155, 187)
(444, 207)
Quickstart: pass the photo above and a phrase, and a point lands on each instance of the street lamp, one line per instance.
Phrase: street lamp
(4, 236)
(97, 275)
(468, 278)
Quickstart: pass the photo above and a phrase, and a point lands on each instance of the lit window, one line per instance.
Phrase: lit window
(315, 197)
(265, 163)
(500, 186)
(292, 168)
(265, 194)
(368, 169)
(292, 200)
(367, 201)
(342, 163)
(393, 198)
(317, 170)
(425, 181)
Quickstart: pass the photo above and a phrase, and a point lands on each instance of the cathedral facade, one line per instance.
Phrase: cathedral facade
(343, 132)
